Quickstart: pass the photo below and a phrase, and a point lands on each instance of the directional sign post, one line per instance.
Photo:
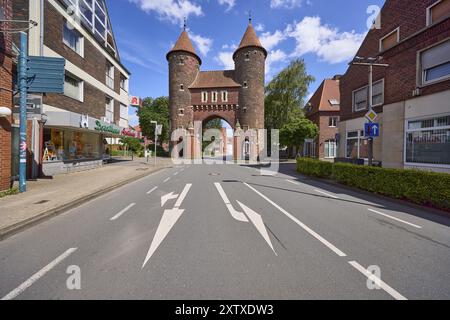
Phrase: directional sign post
(23, 62)
(372, 130)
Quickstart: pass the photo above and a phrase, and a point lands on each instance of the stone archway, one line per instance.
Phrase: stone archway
(227, 113)
(223, 141)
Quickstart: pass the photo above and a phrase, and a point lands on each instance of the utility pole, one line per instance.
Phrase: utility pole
(370, 62)
(156, 136)
(23, 61)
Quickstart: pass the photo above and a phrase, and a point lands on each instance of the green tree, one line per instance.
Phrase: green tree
(285, 94)
(133, 144)
(215, 123)
(155, 110)
(294, 133)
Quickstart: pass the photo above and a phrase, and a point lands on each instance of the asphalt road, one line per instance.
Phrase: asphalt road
(226, 232)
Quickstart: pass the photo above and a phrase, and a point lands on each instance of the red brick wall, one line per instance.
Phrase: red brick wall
(401, 76)
(321, 119)
(196, 97)
(5, 98)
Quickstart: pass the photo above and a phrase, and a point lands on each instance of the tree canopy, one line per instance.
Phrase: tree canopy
(154, 110)
(285, 94)
(294, 132)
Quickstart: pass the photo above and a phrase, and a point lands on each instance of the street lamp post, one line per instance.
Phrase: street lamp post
(370, 62)
(156, 136)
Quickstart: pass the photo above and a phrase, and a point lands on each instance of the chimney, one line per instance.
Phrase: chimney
(337, 77)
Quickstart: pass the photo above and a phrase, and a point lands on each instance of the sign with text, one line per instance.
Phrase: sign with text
(135, 101)
(45, 74)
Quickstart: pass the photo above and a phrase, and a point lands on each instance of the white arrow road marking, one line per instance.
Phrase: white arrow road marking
(327, 194)
(239, 216)
(374, 278)
(169, 219)
(256, 219)
(152, 190)
(183, 195)
(168, 197)
(117, 216)
(301, 224)
(38, 275)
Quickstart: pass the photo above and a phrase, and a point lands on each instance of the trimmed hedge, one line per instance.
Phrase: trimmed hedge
(315, 168)
(421, 187)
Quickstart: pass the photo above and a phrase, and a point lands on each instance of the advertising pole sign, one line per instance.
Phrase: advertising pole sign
(135, 101)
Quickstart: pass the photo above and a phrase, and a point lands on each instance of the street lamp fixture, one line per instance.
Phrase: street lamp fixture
(369, 62)
(156, 136)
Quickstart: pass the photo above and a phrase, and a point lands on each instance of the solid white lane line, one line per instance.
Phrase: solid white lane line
(301, 224)
(325, 193)
(239, 216)
(257, 221)
(293, 182)
(396, 219)
(183, 195)
(117, 216)
(152, 190)
(38, 275)
(395, 294)
(167, 179)
(176, 173)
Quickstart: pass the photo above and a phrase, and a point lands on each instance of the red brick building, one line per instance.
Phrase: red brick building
(411, 96)
(323, 110)
(6, 66)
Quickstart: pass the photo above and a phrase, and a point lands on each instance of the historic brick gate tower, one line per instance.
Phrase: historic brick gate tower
(236, 96)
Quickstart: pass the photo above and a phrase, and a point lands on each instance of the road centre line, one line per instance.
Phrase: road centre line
(150, 191)
(301, 224)
(117, 216)
(167, 179)
(394, 218)
(38, 275)
(293, 182)
(395, 294)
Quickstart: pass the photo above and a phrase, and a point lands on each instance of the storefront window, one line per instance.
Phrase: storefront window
(357, 145)
(428, 141)
(65, 145)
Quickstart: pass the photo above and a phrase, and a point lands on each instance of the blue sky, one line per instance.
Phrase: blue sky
(325, 33)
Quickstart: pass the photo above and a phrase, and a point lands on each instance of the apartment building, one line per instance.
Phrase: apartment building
(323, 109)
(411, 96)
(74, 128)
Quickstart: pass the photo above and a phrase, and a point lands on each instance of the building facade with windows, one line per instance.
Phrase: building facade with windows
(411, 96)
(323, 109)
(6, 67)
(93, 110)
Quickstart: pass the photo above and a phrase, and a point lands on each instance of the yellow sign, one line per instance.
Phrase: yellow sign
(372, 115)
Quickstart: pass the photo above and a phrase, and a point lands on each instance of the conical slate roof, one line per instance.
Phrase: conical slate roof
(250, 39)
(184, 44)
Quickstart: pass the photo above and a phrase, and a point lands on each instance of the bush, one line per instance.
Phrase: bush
(421, 187)
(9, 192)
(315, 168)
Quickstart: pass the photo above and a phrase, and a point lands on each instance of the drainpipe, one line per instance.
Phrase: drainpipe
(41, 36)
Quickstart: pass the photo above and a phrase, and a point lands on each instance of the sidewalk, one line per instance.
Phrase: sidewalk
(47, 197)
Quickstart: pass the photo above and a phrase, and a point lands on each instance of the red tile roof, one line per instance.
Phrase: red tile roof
(215, 79)
(328, 91)
(250, 39)
(184, 43)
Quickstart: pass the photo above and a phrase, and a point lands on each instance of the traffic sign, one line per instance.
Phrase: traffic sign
(371, 115)
(159, 129)
(372, 130)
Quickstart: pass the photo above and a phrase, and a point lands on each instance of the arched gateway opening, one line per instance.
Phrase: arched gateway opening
(218, 139)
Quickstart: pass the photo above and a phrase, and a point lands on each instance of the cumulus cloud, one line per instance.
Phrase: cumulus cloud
(259, 27)
(328, 43)
(289, 4)
(225, 59)
(229, 3)
(271, 40)
(171, 10)
(203, 44)
(274, 57)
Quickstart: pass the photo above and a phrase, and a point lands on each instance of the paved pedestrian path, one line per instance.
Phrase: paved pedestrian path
(46, 197)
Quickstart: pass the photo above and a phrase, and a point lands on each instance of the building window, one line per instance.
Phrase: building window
(214, 96)
(333, 122)
(334, 102)
(428, 141)
(245, 85)
(181, 87)
(204, 96)
(181, 112)
(109, 75)
(73, 87)
(438, 11)
(123, 115)
(357, 146)
(360, 96)
(247, 57)
(109, 110)
(390, 40)
(73, 39)
(181, 61)
(330, 149)
(224, 96)
(435, 63)
(360, 99)
(123, 83)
